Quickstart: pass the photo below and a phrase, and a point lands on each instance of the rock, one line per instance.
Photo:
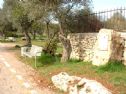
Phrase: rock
(77, 85)
(73, 89)
(61, 81)
(82, 82)
(92, 87)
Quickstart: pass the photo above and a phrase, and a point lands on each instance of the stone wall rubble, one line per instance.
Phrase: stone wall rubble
(77, 85)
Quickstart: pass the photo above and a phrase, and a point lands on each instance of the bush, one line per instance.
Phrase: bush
(112, 66)
(51, 47)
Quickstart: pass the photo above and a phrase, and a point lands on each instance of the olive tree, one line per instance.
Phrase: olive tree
(18, 16)
(59, 9)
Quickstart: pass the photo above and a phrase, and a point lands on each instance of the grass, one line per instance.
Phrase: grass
(112, 75)
(112, 66)
(47, 59)
(115, 71)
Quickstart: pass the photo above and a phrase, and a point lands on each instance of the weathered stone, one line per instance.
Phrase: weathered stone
(80, 42)
(108, 47)
(77, 85)
(62, 81)
(99, 47)
(92, 87)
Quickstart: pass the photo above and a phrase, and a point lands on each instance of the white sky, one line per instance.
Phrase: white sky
(101, 5)
(1, 3)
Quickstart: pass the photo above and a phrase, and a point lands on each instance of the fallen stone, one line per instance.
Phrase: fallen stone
(77, 85)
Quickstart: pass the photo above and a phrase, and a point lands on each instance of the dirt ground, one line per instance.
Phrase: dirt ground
(16, 77)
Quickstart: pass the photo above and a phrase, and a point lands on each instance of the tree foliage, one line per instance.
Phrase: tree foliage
(25, 15)
(117, 21)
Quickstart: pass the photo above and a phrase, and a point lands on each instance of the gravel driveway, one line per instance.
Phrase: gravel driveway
(15, 76)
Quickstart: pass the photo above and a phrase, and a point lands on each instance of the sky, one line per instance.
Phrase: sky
(1, 3)
(101, 5)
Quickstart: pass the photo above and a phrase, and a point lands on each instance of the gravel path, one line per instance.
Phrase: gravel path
(15, 76)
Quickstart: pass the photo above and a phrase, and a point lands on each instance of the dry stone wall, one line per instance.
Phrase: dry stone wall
(82, 45)
(99, 47)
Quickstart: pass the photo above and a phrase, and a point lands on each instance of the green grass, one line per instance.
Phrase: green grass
(112, 66)
(47, 59)
(112, 75)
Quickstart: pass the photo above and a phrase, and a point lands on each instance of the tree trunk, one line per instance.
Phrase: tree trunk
(47, 27)
(34, 34)
(66, 49)
(4, 34)
(28, 39)
(66, 46)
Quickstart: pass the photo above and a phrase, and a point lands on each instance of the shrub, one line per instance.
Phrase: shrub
(50, 47)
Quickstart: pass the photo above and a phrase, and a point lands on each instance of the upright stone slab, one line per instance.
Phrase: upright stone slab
(107, 46)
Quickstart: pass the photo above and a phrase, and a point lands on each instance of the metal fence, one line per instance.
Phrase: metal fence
(111, 19)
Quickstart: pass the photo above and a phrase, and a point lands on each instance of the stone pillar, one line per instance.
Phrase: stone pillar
(107, 47)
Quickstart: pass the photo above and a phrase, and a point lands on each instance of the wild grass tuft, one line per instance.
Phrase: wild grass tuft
(112, 66)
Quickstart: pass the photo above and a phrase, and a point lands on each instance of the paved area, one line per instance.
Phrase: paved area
(15, 76)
